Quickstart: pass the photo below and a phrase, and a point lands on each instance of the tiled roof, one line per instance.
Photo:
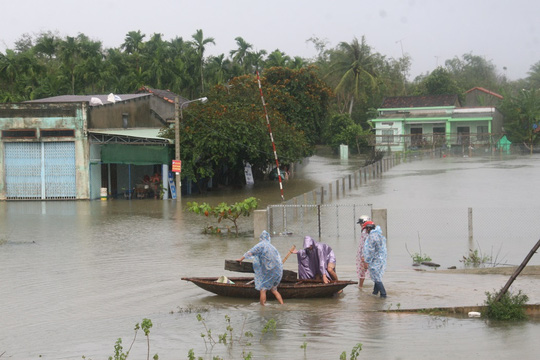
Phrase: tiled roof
(166, 95)
(486, 91)
(84, 98)
(420, 101)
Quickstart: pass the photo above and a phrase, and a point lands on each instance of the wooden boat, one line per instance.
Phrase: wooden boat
(244, 287)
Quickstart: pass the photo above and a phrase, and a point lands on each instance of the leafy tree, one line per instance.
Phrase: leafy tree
(304, 100)
(439, 82)
(219, 137)
(522, 117)
(533, 77)
(343, 130)
(471, 71)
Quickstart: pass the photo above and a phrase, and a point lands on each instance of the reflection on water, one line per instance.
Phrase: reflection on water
(76, 276)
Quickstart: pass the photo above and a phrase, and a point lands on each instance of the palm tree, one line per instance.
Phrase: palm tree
(255, 60)
(69, 51)
(239, 55)
(133, 44)
(356, 70)
(199, 42)
(277, 58)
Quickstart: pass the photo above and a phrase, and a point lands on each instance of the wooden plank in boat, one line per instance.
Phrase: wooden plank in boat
(247, 267)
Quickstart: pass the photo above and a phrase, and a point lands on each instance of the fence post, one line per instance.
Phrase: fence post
(380, 217)
(350, 182)
(319, 220)
(260, 223)
(330, 192)
(322, 194)
(471, 237)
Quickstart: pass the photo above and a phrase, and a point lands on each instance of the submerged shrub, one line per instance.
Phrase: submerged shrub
(509, 307)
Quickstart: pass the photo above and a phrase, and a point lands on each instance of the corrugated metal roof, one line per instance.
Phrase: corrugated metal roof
(86, 98)
(146, 133)
(166, 95)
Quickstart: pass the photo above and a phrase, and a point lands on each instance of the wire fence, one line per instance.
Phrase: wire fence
(505, 235)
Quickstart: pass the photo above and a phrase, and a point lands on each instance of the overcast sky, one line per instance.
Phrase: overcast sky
(430, 31)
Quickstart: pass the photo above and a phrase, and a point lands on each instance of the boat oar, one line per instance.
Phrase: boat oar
(289, 253)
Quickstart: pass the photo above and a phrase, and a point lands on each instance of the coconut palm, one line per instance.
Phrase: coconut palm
(355, 68)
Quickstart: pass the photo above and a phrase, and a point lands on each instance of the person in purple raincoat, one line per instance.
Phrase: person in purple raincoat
(316, 261)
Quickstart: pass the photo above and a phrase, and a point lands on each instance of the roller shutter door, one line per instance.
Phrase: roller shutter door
(40, 170)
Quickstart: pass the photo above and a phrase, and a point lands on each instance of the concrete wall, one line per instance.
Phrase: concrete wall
(49, 116)
(110, 116)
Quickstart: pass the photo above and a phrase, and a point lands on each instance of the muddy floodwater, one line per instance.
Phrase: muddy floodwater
(76, 276)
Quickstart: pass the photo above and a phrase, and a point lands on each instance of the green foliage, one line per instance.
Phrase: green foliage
(119, 354)
(522, 114)
(355, 352)
(418, 258)
(509, 307)
(439, 82)
(475, 258)
(224, 211)
(227, 339)
(269, 327)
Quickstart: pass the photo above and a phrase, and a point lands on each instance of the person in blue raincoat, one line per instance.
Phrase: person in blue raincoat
(267, 266)
(375, 256)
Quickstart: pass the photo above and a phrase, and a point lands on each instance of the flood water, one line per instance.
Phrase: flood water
(76, 276)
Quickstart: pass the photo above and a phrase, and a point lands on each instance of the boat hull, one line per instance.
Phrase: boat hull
(242, 288)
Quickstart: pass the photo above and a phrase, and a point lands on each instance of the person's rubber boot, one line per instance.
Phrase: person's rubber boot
(381, 288)
(375, 289)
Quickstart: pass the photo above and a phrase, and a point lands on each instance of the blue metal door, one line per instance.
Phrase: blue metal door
(23, 170)
(59, 170)
(40, 170)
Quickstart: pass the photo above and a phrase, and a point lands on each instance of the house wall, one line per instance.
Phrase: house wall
(163, 108)
(110, 116)
(48, 116)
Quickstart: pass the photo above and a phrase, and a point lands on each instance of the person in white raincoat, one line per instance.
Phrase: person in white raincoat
(267, 266)
(375, 256)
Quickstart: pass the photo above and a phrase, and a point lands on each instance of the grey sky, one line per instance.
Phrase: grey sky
(430, 31)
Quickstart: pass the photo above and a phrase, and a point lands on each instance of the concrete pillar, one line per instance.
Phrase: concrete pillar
(260, 223)
(380, 217)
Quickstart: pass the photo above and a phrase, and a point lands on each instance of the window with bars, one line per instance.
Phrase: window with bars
(388, 136)
(19, 134)
(482, 133)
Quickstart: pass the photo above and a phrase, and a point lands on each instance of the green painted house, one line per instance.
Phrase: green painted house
(435, 121)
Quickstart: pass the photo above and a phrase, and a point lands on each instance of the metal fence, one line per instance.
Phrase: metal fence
(504, 235)
(328, 221)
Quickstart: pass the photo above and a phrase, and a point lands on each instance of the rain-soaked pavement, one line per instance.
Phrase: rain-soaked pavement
(76, 276)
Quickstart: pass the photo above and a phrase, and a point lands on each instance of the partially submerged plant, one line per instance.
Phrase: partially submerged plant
(119, 350)
(509, 307)
(224, 211)
(418, 257)
(476, 258)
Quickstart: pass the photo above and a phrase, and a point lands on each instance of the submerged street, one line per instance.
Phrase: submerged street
(78, 275)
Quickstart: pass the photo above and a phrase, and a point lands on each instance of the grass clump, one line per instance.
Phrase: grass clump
(510, 307)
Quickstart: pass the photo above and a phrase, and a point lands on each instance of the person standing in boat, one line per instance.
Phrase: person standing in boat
(267, 266)
(361, 268)
(375, 256)
(316, 261)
